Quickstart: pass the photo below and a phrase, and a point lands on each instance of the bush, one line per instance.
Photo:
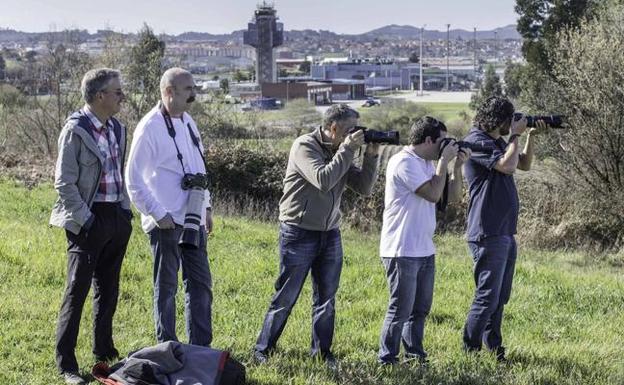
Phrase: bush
(588, 65)
(393, 114)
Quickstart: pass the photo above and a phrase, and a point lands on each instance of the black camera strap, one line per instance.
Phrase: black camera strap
(172, 134)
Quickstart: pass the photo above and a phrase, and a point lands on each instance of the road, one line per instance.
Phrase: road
(413, 96)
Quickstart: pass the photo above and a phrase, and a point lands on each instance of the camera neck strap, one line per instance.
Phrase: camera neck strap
(172, 134)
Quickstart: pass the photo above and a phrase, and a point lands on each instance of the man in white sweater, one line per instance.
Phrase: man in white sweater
(166, 147)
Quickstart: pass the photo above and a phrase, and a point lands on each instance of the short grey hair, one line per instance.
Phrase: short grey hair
(96, 80)
(170, 76)
(337, 113)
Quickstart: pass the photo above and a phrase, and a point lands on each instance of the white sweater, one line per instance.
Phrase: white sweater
(154, 173)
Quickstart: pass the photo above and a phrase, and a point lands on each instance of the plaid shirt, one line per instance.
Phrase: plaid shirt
(111, 184)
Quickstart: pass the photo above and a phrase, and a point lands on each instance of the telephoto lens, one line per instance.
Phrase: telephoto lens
(554, 121)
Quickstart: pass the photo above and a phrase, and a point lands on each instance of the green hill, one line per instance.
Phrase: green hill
(563, 325)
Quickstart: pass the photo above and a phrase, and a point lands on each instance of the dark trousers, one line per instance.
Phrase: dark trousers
(494, 265)
(197, 281)
(411, 294)
(94, 257)
(302, 251)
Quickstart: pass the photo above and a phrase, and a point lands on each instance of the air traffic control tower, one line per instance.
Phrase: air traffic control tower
(265, 33)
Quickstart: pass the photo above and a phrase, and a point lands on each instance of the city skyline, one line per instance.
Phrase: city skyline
(348, 17)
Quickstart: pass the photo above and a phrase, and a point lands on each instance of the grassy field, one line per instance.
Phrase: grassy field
(563, 325)
(447, 111)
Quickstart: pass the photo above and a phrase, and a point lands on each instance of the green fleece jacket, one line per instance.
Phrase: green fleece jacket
(315, 179)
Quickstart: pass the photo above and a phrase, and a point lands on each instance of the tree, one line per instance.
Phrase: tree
(513, 80)
(2, 67)
(305, 67)
(238, 76)
(144, 72)
(414, 57)
(588, 67)
(224, 84)
(541, 20)
(57, 73)
(490, 86)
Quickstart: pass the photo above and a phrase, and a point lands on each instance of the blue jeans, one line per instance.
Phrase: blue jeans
(411, 293)
(197, 286)
(494, 264)
(302, 251)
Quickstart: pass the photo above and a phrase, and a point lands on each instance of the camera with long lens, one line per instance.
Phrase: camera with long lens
(374, 136)
(474, 147)
(195, 184)
(554, 121)
(194, 181)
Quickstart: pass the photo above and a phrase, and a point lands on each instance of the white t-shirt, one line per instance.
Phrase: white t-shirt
(409, 220)
(154, 173)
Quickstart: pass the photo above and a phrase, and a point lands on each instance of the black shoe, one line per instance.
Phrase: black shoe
(413, 358)
(330, 361)
(500, 354)
(260, 357)
(73, 378)
(387, 362)
(113, 355)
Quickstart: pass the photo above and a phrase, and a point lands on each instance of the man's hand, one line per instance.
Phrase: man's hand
(166, 222)
(462, 156)
(518, 126)
(208, 220)
(539, 128)
(372, 149)
(449, 152)
(354, 140)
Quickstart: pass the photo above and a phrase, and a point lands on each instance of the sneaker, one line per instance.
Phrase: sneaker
(73, 378)
(260, 357)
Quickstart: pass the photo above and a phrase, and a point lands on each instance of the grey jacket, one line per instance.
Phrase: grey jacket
(78, 172)
(315, 180)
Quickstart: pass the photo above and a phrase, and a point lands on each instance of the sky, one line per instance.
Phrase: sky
(225, 16)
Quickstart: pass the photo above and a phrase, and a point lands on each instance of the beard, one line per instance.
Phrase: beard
(191, 99)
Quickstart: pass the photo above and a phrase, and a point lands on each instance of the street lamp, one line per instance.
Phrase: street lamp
(448, 27)
(420, 77)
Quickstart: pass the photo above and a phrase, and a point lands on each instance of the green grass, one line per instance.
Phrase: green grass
(447, 111)
(563, 325)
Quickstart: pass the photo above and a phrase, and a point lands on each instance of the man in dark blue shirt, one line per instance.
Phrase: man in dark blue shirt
(493, 217)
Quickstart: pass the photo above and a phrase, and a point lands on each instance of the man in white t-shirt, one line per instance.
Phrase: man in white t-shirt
(413, 186)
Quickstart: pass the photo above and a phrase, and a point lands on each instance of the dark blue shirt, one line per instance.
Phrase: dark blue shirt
(493, 207)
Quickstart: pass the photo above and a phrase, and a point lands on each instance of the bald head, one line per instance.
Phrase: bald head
(171, 77)
(177, 90)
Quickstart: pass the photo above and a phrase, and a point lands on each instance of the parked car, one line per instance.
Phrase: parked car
(370, 102)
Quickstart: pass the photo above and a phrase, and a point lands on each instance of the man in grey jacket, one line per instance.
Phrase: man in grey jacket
(320, 165)
(94, 209)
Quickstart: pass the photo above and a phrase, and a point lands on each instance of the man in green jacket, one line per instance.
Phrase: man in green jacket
(320, 165)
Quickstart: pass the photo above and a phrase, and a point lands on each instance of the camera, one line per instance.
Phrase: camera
(554, 121)
(196, 184)
(474, 147)
(374, 136)
(195, 181)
